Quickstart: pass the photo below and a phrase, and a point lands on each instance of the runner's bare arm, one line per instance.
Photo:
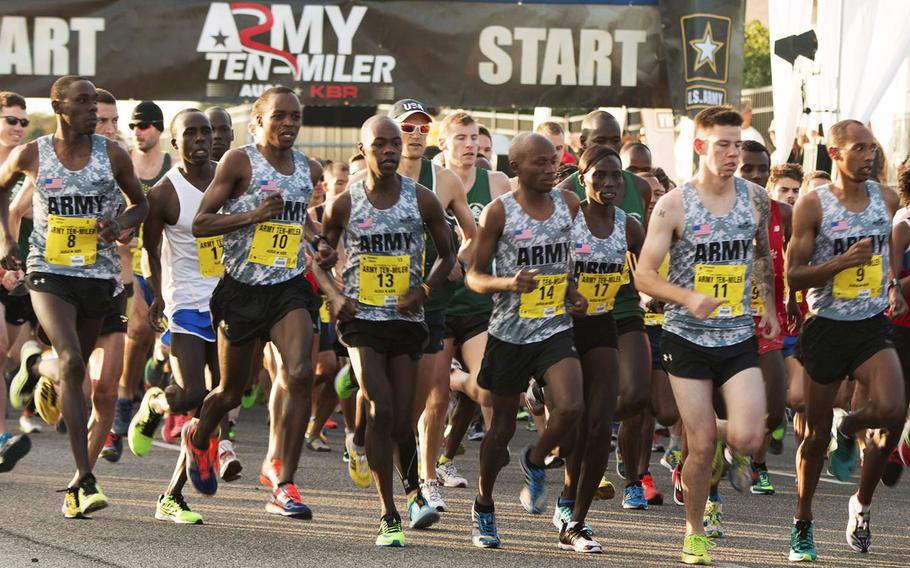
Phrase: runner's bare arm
(164, 208)
(499, 184)
(644, 192)
(232, 177)
(22, 161)
(492, 222)
(137, 206)
(900, 240)
(21, 207)
(434, 218)
(895, 296)
(334, 220)
(325, 254)
(762, 266)
(451, 191)
(635, 236)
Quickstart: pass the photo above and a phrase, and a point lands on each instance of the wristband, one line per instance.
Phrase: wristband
(317, 238)
(895, 283)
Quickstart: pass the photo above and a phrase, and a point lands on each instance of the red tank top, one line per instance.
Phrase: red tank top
(776, 244)
(904, 320)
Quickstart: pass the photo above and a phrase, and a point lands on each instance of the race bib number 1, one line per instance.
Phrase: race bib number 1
(860, 282)
(276, 244)
(383, 279)
(210, 250)
(547, 300)
(600, 290)
(71, 241)
(724, 282)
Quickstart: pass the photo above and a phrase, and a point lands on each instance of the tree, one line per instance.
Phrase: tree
(757, 56)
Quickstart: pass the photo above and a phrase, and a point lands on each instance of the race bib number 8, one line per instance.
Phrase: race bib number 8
(860, 282)
(276, 244)
(383, 279)
(71, 241)
(547, 300)
(324, 315)
(210, 250)
(727, 283)
(600, 290)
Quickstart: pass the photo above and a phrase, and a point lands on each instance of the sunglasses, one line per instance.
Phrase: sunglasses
(141, 125)
(409, 128)
(12, 121)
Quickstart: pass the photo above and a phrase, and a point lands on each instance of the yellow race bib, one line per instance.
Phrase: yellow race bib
(755, 302)
(860, 282)
(547, 300)
(137, 253)
(276, 244)
(324, 315)
(652, 319)
(600, 290)
(383, 279)
(71, 241)
(724, 282)
(210, 250)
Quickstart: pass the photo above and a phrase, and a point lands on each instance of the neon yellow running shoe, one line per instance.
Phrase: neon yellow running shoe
(47, 401)
(91, 498)
(695, 550)
(390, 533)
(605, 491)
(144, 424)
(358, 468)
(71, 509)
(174, 508)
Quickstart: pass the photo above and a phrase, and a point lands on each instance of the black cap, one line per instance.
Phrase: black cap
(147, 111)
(404, 108)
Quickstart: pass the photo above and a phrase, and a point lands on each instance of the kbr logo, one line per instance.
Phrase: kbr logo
(247, 41)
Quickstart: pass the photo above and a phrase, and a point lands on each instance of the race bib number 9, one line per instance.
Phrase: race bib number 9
(547, 300)
(860, 282)
(727, 283)
(600, 290)
(276, 244)
(383, 279)
(71, 241)
(755, 302)
(210, 250)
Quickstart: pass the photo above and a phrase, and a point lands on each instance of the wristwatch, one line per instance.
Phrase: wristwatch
(894, 282)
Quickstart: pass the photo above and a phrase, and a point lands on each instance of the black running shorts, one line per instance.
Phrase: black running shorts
(116, 319)
(244, 312)
(830, 350)
(92, 297)
(463, 328)
(507, 368)
(390, 338)
(18, 308)
(628, 324)
(436, 327)
(687, 360)
(592, 332)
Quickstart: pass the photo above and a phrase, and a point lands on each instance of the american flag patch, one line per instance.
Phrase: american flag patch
(702, 230)
(365, 223)
(839, 225)
(53, 183)
(583, 248)
(523, 235)
(268, 185)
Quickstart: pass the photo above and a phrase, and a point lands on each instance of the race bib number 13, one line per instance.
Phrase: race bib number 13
(383, 279)
(547, 300)
(71, 241)
(276, 244)
(724, 282)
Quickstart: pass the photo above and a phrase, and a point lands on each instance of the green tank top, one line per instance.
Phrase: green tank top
(440, 297)
(465, 302)
(628, 303)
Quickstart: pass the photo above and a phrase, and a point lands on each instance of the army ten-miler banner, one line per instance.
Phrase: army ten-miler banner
(473, 54)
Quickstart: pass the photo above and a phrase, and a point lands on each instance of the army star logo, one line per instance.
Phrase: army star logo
(707, 49)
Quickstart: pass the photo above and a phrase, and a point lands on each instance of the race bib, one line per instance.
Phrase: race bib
(652, 319)
(723, 282)
(758, 307)
(276, 244)
(860, 282)
(71, 241)
(137, 252)
(547, 300)
(383, 279)
(324, 315)
(600, 290)
(210, 250)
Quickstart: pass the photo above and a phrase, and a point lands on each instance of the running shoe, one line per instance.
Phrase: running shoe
(345, 456)
(843, 453)
(173, 508)
(652, 495)
(430, 490)
(47, 401)
(345, 385)
(695, 550)
(740, 470)
(229, 466)
(713, 518)
(200, 468)
(717, 463)
(113, 447)
(893, 469)
(552, 461)
(562, 515)
(670, 458)
(249, 397)
(904, 446)
(71, 508)
(330, 425)
(620, 466)
(448, 475)
(232, 430)
(535, 398)
(634, 497)
(802, 542)
(421, 514)
(91, 498)
(483, 529)
(390, 532)
(533, 494)
(859, 534)
(531, 426)
(678, 493)
(13, 449)
(358, 468)
(171, 434)
(317, 444)
(25, 381)
(144, 424)
(523, 414)
(155, 375)
(578, 538)
(31, 424)
(776, 446)
(476, 431)
(269, 472)
(762, 486)
(605, 491)
(286, 501)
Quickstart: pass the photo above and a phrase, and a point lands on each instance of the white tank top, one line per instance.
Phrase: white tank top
(182, 284)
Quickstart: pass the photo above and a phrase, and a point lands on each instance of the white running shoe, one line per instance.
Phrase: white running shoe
(448, 475)
(230, 466)
(431, 493)
(31, 424)
(859, 535)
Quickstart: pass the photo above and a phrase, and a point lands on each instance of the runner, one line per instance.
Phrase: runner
(708, 226)
(528, 233)
(842, 253)
(556, 135)
(382, 323)
(784, 182)
(262, 190)
(222, 131)
(484, 143)
(636, 158)
(73, 271)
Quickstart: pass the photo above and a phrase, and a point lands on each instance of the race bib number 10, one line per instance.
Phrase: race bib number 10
(276, 244)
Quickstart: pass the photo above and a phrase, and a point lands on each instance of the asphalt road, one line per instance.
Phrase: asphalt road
(238, 531)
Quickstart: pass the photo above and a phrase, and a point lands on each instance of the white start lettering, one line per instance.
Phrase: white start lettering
(46, 49)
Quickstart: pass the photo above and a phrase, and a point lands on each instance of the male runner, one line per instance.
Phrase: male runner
(708, 226)
(73, 271)
(841, 252)
(222, 131)
(784, 182)
(380, 311)
(257, 200)
(484, 143)
(529, 234)
(636, 158)
(556, 135)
